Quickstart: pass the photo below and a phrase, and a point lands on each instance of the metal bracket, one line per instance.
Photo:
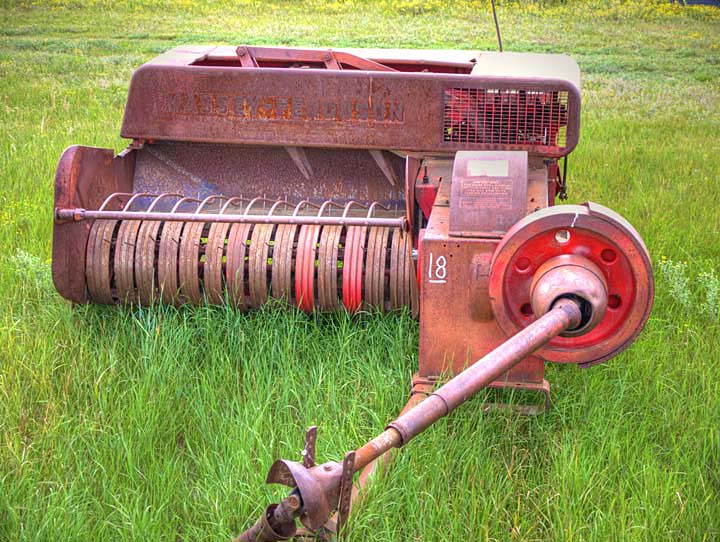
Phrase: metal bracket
(385, 166)
(522, 408)
(308, 453)
(346, 485)
(301, 161)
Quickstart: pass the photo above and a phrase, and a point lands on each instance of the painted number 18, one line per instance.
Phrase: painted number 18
(437, 269)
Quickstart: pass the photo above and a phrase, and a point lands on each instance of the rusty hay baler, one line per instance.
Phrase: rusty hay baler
(353, 180)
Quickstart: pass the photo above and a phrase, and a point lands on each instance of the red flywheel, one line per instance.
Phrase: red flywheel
(593, 232)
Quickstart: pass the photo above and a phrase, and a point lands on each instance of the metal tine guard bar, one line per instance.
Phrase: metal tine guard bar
(241, 211)
(319, 490)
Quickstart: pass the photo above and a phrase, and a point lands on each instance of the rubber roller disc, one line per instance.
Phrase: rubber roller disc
(305, 267)
(406, 262)
(353, 258)
(97, 267)
(213, 267)
(258, 264)
(189, 262)
(395, 271)
(145, 261)
(235, 264)
(328, 298)
(282, 261)
(168, 262)
(375, 267)
(124, 261)
(414, 288)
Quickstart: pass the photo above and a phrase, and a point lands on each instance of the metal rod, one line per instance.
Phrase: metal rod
(84, 214)
(497, 26)
(566, 314)
(383, 461)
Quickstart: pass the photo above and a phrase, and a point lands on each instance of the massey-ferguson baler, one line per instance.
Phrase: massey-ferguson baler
(358, 180)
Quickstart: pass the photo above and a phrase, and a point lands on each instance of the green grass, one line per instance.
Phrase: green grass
(161, 423)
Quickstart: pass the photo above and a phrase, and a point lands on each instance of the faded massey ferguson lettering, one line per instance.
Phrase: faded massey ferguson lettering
(290, 108)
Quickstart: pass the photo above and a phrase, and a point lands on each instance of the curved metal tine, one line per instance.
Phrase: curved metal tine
(350, 204)
(132, 200)
(183, 200)
(160, 197)
(253, 202)
(208, 200)
(236, 200)
(304, 203)
(326, 204)
(278, 202)
(372, 207)
(112, 197)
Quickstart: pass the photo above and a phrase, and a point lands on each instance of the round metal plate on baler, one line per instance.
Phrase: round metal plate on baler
(305, 267)
(214, 253)
(283, 254)
(328, 298)
(353, 260)
(98, 271)
(189, 272)
(375, 268)
(168, 262)
(235, 264)
(258, 263)
(596, 233)
(145, 261)
(124, 261)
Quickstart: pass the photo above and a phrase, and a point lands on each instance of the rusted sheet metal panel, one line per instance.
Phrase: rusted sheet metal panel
(457, 325)
(202, 169)
(172, 99)
(85, 176)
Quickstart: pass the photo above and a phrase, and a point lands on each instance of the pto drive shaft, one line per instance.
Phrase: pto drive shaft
(317, 490)
(565, 315)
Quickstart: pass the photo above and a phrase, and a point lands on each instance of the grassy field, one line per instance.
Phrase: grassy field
(160, 424)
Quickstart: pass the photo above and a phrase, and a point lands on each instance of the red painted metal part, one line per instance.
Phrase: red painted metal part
(352, 268)
(85, 176)
(78, 214)
(591, 231)
(425, 196)
(276, 57)
(305, 268)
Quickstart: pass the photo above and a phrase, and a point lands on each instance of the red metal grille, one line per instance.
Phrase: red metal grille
(536, 118)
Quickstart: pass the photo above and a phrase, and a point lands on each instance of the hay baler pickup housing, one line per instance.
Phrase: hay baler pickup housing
(359, 179)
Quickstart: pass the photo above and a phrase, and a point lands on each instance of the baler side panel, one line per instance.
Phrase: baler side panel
(336, 108)
(85, 177)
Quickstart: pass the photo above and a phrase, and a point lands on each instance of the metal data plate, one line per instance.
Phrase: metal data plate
(488, 193)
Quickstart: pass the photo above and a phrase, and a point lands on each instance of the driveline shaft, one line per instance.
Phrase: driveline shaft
(278, 521)
(565, 314)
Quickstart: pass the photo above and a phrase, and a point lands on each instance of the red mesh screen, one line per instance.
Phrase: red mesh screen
(506, 117)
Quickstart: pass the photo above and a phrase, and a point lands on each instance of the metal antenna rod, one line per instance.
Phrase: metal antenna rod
(497, 26)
